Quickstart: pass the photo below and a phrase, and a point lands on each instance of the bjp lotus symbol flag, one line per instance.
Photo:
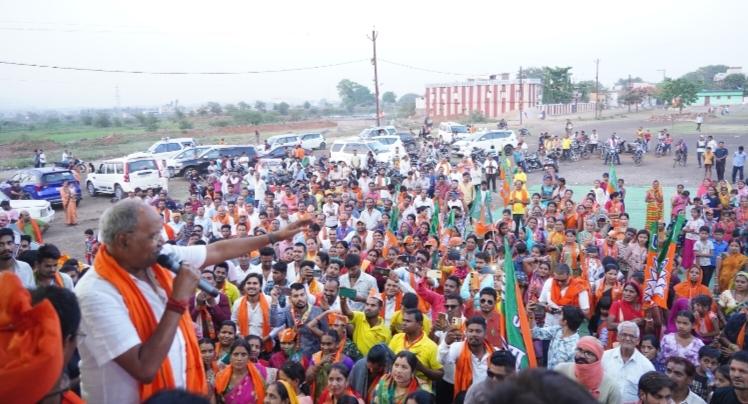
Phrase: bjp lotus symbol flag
(517, 327)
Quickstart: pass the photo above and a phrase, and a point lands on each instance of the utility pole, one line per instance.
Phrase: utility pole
(521, 97)
(597, 89)
(628, 102)
(373, 39)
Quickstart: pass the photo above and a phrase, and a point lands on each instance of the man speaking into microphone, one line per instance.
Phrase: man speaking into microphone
(139, 336)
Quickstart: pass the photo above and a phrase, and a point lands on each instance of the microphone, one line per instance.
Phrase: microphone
(169, 262)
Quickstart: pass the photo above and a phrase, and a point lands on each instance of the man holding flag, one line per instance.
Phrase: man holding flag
(517, 328)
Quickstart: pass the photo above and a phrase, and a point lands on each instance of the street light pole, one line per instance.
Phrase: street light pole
(597, 89)
(376, 78)
(521, 98)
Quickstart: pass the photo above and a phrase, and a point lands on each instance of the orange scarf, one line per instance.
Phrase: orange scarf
(398, 303)
(21, 224)
(574, 254)
(169, 232)
(464, 367)
(145, 324)
(223, 221)
(314, 287)
(571, 297)
(224, 377)
(243, 316)
(58, 280)
(69, 397)
(423, 305)
(741, 336)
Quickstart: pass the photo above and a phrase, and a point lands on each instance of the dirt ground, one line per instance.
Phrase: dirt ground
(732, 129)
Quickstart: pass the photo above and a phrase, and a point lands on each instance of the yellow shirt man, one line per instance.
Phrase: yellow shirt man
(397, 320)
(424, 349)
(365, 336)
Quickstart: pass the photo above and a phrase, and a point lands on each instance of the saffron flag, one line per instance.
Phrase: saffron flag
(612, 179)
(659, 266)
(516, 326)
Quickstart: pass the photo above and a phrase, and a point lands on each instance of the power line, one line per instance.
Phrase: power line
(423, 69)
(145, 72)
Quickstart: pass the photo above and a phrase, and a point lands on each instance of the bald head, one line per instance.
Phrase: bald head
(123, 218)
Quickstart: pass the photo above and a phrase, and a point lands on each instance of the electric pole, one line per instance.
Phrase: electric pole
(521, 97)
(373, 39)
(597, 89)
(628, 102)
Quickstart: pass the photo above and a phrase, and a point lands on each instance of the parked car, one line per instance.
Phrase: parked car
(42, 183)
(377, 131)
(231, 151)
(273, 158)
(342, 150)
(175, 165)
(170, 146)
(408, 139)
(38, 209)
(496, 139)
(452, 131)
(313, 141)
(122, 175)
(287, 139)
(391, 143)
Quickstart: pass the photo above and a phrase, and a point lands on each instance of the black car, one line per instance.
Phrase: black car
(407, 138)
(202, 162)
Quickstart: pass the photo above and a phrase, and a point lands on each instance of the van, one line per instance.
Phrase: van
(123, 175)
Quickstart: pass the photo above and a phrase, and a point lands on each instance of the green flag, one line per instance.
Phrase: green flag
(477, 204)
(395, 212)
(517, 327)
(450, 219)
(612, 179)
(434, 230)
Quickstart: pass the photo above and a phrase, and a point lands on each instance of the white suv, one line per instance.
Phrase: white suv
(287, 139)
(342, 150)
(313, 141)
(122, 175)
(451, 131)
(497, 140)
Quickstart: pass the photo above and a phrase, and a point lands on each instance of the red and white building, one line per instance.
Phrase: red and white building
(490, 97)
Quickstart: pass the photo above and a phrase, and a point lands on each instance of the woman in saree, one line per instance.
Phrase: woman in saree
(242, 382)
(322, 361)
(655, 204)
(627, 308)
(395, 386)
(692, 286)
(731, 298)
(728, 264)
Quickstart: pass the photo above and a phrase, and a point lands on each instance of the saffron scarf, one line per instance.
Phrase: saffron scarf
(243, 317)
(145, 324)
(224, 377)
(590, 375)
(464, 367)
(21, 224)
(571, 297)
(327, 398)
(398, 303)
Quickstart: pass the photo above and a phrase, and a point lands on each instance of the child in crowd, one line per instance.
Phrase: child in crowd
(704, 377)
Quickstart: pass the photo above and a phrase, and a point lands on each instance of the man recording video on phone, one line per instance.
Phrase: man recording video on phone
(141, 337)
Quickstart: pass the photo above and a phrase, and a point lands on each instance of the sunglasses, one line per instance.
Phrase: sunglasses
(486, 301)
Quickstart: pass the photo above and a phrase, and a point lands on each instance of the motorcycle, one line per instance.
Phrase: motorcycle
(638, 155)
(81, 165)
(610, 154)
(660, 149)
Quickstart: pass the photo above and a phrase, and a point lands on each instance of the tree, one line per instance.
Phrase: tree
(102, 120)
(230, 108)
(214, 108)
(635, 96)
(735, 81)
(678, 93)
(585, 88)
(307, 105)
(406, 105)
(532, 73)
(151, 123)
(624, 82)
(389, 98)
(282, 108)
(704, 76)
(243, 106)
(248, 117)
(557, 87)
(185, 124)
(353, 94)
(261, 106)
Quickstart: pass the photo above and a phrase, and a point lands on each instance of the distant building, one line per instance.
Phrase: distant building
(719, 97)
(490, 97)
(730, 70)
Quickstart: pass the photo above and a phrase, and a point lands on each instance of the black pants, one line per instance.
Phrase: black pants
(720, 170)
(708, 271)
(735, 171)
(699, 155)
(491, 179)
(518, 220)
(444, 392)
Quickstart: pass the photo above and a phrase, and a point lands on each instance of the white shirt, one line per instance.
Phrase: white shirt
(626, 374)
(363, 285)
(237, 274)
(24, 272)
(545, 298)
(448, 355)
(67, 281)
(255, 314)
(370, 218)
(106, 320)
(692, 398)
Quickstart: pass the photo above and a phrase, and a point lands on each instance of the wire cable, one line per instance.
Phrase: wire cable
(123, 71)
(423, 69)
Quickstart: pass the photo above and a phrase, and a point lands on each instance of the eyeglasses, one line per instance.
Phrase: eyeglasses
(628, 336)
(486, 301)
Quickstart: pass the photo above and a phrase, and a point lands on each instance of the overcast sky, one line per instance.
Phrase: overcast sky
(468, 37)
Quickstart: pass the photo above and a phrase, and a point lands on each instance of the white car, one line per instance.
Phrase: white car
(287, 139)
(377, 131)
(451, 131)
(313, 141)
(167, 146)
(37, 208)
(123, 175)
(391, 143)
(342, 150)
(497, 140)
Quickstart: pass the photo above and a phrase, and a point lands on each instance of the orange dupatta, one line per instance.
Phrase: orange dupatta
(571, 298)
(224, 377)
(464, 368)
(398, 303)
(243, 316)
(21, 224)
(145, 324)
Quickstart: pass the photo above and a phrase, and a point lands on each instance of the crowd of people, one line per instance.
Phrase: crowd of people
(343, 286)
